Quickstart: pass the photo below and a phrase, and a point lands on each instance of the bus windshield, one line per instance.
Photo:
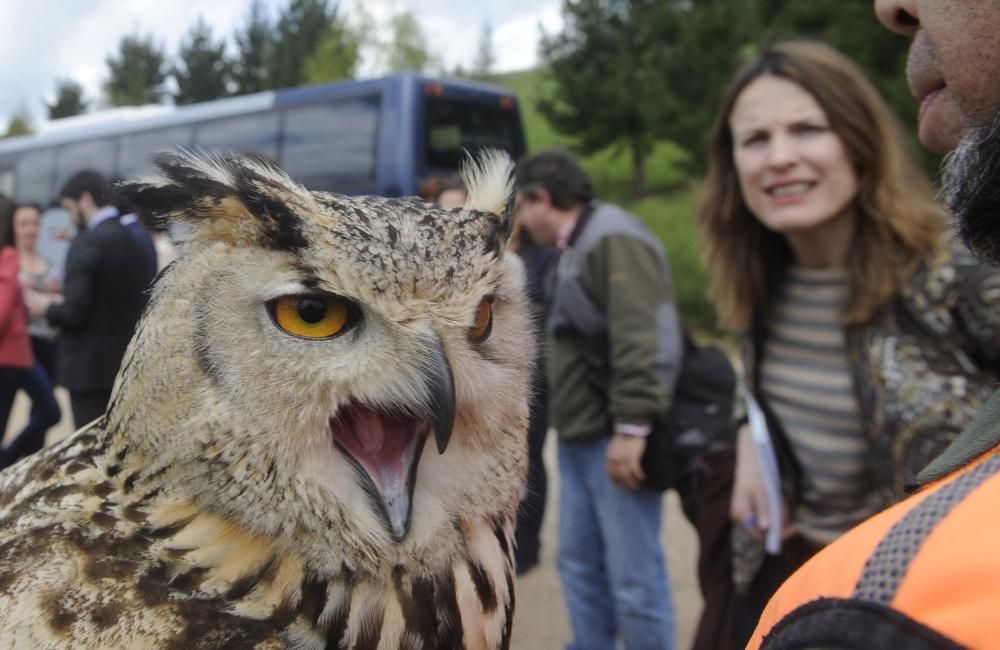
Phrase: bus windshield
(454, 126)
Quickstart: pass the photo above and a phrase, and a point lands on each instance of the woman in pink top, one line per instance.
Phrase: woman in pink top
(19, 370)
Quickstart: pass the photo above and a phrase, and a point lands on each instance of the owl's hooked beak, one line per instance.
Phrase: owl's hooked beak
(441, 384)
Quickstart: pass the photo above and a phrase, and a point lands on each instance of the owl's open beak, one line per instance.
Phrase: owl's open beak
(441, 385)
(386, 447)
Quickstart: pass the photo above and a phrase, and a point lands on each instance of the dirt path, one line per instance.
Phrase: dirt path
(540, 618)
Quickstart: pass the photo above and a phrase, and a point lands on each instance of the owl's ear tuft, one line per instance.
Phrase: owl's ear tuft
(489, 180)
(241, 200)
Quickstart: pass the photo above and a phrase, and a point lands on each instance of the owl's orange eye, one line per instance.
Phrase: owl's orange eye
(313, 316)
(483, 325)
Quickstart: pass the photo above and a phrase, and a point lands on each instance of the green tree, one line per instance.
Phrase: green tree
(69, 100)
(19, 124)
(407, 46)
(482, 66)
(301, 28)
(607, 90)
(253, 50)
(696, 49)
(136, 73)
(203, 70)
(336, 57)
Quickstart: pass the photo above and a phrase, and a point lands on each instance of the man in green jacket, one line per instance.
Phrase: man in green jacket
(614, 347)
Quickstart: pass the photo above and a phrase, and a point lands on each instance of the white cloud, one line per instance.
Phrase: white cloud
(56, 39)
(516, 41)
(454, 29)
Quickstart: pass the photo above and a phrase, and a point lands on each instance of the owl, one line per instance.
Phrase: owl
(316, 440)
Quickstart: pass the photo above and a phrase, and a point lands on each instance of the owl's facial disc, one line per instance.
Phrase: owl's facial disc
(386, 447)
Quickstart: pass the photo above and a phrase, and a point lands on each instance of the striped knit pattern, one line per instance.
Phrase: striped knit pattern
(807, 383)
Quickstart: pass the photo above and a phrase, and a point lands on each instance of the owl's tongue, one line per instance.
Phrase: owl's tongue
(386, 447)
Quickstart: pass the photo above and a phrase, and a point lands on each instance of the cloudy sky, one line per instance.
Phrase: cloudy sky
(50, 39)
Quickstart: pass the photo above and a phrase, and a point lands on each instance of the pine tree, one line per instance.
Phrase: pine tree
(608, 90)
(203, 70)
(336, 57)
(254, 45)
(69, 100)
(301, 28)
(407, 46)
(701, 45)
(136, 73)
(19, 124)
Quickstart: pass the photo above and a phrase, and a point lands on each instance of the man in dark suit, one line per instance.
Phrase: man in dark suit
(107, 274)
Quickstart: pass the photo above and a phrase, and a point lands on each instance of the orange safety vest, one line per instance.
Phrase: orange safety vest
(924, 573)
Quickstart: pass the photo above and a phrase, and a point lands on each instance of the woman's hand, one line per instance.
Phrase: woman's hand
(36, 302)
(748, 505)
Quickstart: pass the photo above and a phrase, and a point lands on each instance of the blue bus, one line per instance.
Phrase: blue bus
(378, 136)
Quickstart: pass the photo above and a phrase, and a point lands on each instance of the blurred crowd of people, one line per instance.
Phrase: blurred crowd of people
(869, 336)
(70, 328)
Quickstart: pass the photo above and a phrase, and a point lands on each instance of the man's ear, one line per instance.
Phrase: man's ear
(542, 195)
(86, 202)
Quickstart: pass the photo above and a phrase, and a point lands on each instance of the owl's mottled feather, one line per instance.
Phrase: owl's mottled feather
(251, 488)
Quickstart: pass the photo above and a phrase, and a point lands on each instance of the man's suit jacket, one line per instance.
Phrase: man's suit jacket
(107, 275)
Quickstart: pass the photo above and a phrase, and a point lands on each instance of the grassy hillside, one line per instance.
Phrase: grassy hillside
(669, 210)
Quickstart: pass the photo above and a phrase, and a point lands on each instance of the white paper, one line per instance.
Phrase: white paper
(769, 470)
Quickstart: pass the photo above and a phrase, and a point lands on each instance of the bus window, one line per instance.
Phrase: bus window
(256, 133)
(453, 126)
(331, 147)
(135, 157)
(34, 176)
(98, 155)
(6, 181)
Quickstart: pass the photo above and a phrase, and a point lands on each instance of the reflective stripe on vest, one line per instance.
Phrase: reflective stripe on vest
(888, 564)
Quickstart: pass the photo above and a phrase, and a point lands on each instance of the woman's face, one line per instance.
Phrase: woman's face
(27, 221)
(794, 171)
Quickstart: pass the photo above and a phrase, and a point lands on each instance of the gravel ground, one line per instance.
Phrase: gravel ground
(540, 618)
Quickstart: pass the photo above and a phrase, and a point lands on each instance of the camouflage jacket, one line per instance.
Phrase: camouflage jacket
(921, 369)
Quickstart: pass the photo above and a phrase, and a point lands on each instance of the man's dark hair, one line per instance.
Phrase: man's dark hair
(558, 173)
(29, 204)
(88, 181)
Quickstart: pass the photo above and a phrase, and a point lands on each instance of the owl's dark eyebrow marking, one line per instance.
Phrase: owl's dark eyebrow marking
(309, 278)
(281, 227)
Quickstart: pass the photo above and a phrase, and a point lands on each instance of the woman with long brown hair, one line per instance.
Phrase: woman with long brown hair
(869, 337)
